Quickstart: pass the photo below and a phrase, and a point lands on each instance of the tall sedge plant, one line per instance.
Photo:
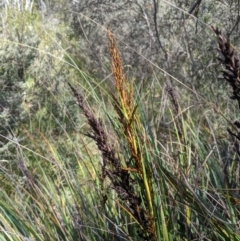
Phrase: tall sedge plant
(145, 186)
(125, 172)
(149, 188)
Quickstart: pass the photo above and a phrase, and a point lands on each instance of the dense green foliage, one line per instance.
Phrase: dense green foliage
(151, 149)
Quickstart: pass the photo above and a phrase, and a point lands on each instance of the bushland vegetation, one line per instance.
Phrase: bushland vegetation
(119, 120)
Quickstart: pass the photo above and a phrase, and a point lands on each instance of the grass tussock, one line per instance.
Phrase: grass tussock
(144, 184)
(148, 187)
(124, 174)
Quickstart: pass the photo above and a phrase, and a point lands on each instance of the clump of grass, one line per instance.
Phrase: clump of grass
(164, 201)
(149, 188)
(230, 59)
(124, 173)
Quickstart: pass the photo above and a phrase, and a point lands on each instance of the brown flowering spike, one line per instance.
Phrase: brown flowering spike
(230, 59)
(123, 173)
(119, 176)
